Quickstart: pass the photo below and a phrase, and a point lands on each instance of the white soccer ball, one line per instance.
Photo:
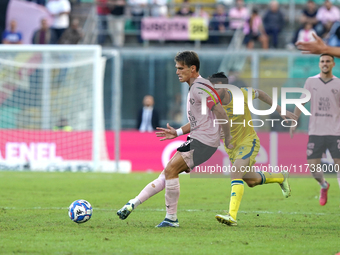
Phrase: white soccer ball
(80, 211)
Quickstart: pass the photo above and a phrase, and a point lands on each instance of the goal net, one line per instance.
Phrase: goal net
(51, 108)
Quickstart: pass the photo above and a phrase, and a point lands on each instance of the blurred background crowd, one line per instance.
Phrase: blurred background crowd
(256, 24)
(148, 33)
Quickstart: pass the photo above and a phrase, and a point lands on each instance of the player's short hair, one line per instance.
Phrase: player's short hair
(218, 77)
(189, 58)
(325, 54)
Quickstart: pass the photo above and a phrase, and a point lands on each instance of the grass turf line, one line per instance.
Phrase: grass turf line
(33, 217)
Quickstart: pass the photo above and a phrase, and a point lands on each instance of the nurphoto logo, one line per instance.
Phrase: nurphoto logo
(238, 104)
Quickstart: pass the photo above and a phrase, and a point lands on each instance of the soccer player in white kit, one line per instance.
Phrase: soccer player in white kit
(200, 146)
(324, 123)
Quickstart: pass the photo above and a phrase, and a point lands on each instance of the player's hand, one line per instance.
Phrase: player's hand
(316, 47)
(291, 131)
(167, 133)
(289, 116)
(227, 142)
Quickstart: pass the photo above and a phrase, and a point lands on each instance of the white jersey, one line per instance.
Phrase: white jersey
(325, 106)
(202, 126)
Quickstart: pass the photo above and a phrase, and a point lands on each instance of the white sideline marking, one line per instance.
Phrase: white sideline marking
(163, 210)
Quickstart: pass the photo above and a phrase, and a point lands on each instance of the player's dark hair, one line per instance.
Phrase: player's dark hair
(188, 58)
(325, 54)
(218, 77)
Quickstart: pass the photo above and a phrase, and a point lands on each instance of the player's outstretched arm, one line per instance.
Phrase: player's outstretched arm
(297, 112)
(171, 133)
(318, 47)
(221, 114)
(263, 96)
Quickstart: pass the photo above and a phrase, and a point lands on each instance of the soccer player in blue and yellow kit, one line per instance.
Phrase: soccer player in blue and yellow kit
(246, 146)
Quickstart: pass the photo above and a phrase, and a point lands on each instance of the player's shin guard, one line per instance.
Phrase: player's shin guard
(152, 188)
(171, 198)
(268, 177)
(237, 190)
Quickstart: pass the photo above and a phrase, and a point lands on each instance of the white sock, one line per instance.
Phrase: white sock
(172, 217)
(135, 202)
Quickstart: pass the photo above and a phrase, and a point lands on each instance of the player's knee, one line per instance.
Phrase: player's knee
(169, 170)
(160, 182)
(250, 183)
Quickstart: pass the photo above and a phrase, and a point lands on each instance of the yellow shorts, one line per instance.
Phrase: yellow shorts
(247, 148)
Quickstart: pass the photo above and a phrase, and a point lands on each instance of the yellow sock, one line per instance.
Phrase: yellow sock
(237, 190)
(268, 177)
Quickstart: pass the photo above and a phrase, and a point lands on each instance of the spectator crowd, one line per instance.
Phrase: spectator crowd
(263, 25)
(58, 32)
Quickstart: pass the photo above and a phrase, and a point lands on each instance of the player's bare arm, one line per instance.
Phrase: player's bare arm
(318, 47)
(225, 98)
(224, 95)
(221, 114)
(264, 97)
(170, 132)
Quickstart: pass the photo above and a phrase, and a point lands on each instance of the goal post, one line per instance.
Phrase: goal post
(51, 108)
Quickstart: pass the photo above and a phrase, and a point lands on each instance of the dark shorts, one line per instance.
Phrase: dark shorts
(251, 37)
(195, 153)
(319, 144)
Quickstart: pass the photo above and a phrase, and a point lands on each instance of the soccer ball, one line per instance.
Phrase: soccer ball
(80, 211)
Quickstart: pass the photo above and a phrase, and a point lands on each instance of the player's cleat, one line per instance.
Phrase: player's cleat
(285, 185)
(168, 223)
(226, 219)
(323, 195)
(125, 211)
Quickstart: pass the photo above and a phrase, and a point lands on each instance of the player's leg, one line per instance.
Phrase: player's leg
(262, 177)
(250, 176)
(319, 177)
(237, 187)
(150, 190)
(172, 189)
(333, 143)
(192, 153)
(249, 149)
(315, 147)
(253, 177)
(237, 190)
(337, 168)
(241, 157)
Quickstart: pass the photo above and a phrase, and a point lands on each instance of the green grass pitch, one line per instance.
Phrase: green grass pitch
(34, 219)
